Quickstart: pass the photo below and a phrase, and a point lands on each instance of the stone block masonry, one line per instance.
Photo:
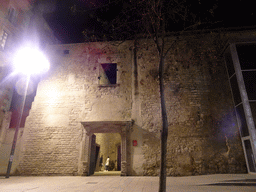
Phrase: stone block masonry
(69, 95)
(203, 135)
(199, 105)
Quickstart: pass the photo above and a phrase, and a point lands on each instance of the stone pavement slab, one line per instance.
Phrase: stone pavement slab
(218, 182)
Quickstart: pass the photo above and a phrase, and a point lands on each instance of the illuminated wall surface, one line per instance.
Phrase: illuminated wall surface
(92, 82)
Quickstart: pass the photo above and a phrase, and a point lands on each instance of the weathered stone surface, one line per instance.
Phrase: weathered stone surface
(200, 113)
(203, 135)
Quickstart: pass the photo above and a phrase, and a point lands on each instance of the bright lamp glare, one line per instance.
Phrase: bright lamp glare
(30, 61)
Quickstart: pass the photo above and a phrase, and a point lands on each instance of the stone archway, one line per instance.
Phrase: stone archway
(121, 127)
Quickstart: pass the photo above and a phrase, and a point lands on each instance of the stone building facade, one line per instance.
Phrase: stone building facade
(95, 89)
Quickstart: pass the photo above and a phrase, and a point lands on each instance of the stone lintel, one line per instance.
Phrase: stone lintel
(121, 127)
(105, 126)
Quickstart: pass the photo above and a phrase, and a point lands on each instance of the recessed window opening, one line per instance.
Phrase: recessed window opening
(11, 15)
(3, 39)
(108, 74)
(66, 52)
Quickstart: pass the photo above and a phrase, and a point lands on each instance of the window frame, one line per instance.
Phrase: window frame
(100, 72)
(12, 15)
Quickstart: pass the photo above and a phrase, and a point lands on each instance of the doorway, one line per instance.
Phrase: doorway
(105, 145)
(88, 157)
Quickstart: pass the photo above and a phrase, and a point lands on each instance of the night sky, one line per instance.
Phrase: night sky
(90, 14)
(68, 26)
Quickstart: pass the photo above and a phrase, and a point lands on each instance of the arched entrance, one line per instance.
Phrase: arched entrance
(92, 127)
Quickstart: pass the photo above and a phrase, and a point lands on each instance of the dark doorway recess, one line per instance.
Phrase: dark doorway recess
(119, 158)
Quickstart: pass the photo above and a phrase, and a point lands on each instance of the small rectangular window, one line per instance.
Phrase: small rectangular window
(11, 15)
(3, 40)
(66, 52)
(108, 74)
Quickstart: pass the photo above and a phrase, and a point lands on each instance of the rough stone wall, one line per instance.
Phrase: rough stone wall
(68, 95)
(203, 135)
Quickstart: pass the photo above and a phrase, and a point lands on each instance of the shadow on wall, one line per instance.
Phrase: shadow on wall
(224, 153)
(146, 155)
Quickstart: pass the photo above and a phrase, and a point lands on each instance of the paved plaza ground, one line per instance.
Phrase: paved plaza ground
(218, 182)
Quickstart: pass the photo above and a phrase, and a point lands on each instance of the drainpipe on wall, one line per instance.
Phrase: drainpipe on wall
(135, 85)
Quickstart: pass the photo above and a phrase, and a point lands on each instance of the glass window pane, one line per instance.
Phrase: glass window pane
(235, 90)
(242, 121)
(253, 109)
(250, 84)
(108, 73)
(249, 154)
(229, 63)
(246, 54)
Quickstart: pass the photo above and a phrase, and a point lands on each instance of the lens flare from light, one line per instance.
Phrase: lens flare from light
(24, 86)
(30, 61)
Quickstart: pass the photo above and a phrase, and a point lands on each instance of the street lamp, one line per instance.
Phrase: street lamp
(28, 61)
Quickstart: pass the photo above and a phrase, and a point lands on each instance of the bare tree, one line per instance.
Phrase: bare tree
(154, 19)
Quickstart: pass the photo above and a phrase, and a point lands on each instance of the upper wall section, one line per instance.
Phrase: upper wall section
(77, 72)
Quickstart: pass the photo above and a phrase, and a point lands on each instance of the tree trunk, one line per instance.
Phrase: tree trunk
(164, 132)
